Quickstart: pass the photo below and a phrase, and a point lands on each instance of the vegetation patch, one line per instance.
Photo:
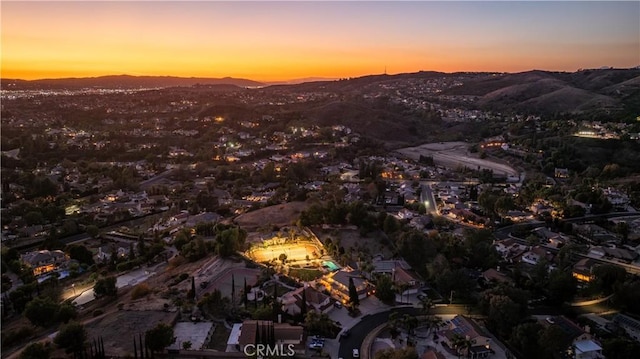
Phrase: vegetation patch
(305, 274)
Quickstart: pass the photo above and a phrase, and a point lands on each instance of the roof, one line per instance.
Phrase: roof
(627, 321)
(282, 332)
(234, 336)
(585, 346)
(465, 327)
(432, 354)
(569, 327)
(342, 277)
(389, 265)
(402, 275)
(492, 274)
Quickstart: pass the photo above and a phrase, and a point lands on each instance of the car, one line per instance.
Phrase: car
(316, 345)
(356, 353)
(337, 305)
(345, 334)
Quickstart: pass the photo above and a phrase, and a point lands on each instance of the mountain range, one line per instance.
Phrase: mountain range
(124, 82)
(604, 90)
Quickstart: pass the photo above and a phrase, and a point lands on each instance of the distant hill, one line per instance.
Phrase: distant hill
(536, 91)
(123, 82)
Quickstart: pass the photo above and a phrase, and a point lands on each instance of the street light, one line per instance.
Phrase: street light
(74, 288)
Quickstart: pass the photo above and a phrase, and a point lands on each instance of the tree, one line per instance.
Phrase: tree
(80, 253)
(622, 228)
(504, 314)
(384, 289)
(620, 348)
(159, 337)
(353, 293)
(562, 286)
(608, 276)
(303, 304)
(186, 345)
(426, 304)
(33, 218)
(66, 312)
(403, 353)
(553, 340)
(319, 323)
(192, 292)
(71, 337)
(36, 351)
(92, 230)
(106, 287)
(40, 311)
(525, 339)
(390, 225)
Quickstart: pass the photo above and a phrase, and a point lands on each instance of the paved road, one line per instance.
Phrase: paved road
(429, 200)
(359, 331)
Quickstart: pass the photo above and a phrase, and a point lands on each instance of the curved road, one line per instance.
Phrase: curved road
(359, 331)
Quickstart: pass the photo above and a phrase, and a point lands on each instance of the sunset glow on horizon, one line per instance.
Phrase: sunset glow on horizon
(272, 41)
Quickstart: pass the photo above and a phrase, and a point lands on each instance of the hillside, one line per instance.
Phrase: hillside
(123, 82)
(547, 92)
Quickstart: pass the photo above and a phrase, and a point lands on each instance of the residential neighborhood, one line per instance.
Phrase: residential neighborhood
(204, 222)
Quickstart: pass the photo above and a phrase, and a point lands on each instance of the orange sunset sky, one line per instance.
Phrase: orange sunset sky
(270, 41)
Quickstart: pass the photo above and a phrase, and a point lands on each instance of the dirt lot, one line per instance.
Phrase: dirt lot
(279, 215)
(350, 238)
(118, 329)
(454, 154)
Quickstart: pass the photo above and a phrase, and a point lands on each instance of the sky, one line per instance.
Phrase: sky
(274, 41)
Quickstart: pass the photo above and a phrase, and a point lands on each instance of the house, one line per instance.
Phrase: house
(42, 262)
(252, 332)
(466, 328)
(547, 235)
(432, 354)
(104, 252)
(587, 349)
(630, 325)
(577, 340)
(493, 275)
(400, 271)
(594, 233)
(338, 284)
(535, 255)
(509, 249)
(316, 301)
(561, 173)
(583, 270)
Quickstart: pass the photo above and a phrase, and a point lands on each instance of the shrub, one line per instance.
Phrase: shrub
(13, 337)
(140, 291)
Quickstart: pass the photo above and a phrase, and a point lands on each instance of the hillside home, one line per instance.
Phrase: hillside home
(467, 328)
(42, 262)
(316, 301)
(252, 332)
(338, 284)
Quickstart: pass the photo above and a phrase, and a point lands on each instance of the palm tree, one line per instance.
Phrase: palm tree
(462, 345)
(426, 303)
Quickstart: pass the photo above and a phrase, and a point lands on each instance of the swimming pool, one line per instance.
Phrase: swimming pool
(330, 265)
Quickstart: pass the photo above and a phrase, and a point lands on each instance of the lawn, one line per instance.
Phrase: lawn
(305, 274)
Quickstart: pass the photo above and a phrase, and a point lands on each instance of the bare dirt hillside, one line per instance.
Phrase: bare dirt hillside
(279, 215)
